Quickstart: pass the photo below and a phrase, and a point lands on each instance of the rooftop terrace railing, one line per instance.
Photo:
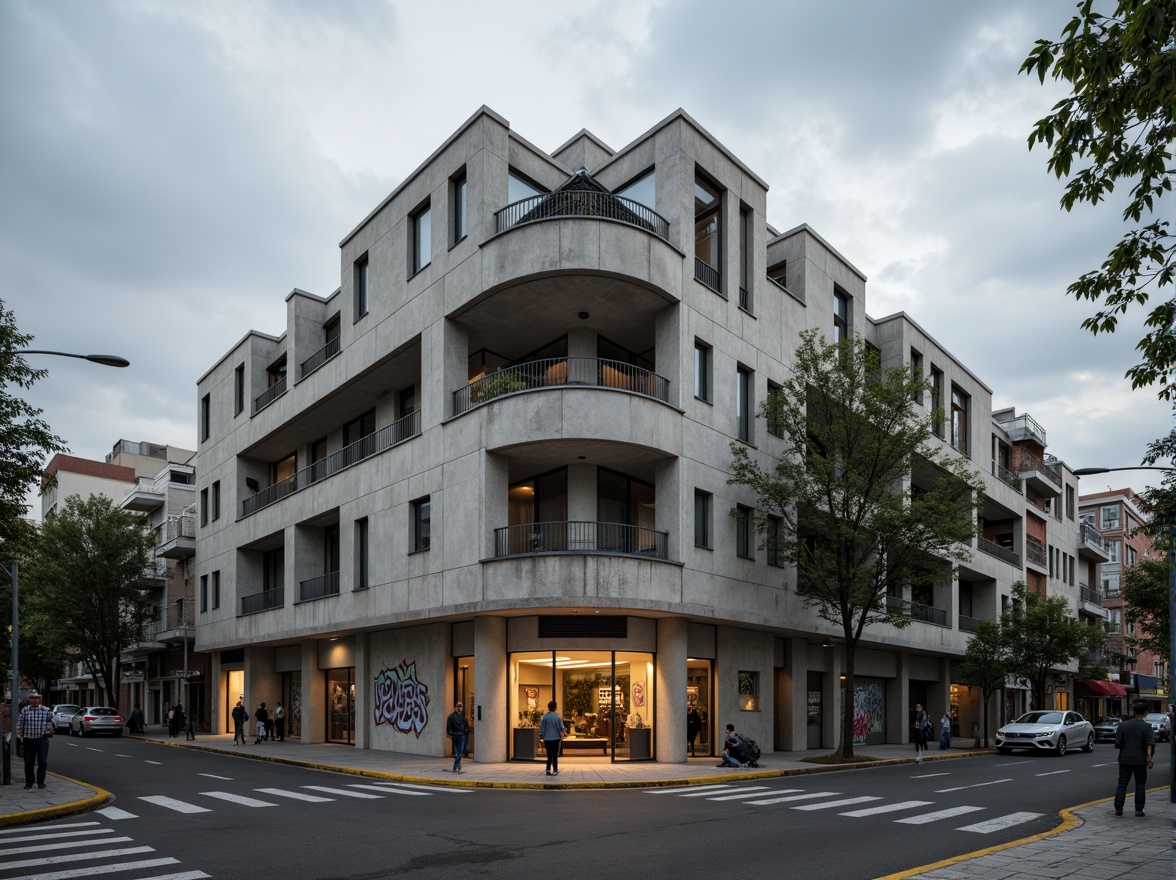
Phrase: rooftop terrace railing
(320, 357)
(582, 203)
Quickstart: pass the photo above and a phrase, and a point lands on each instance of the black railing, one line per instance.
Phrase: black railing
(994, 549)
(1090, 535)
(263, 601)
(582, 203)
(916, 611)
(1091, 596)
(269, 395)
(969, 624)
(320, 357)
(707, 274)
(1006, 476)
(786, 289)
(582, 372)
(745, 299)
(1027, 462)
(1035, 551)
(385, 438)
(619, 539)
(317, 588)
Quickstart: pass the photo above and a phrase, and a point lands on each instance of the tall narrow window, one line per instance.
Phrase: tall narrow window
(205, 417)
(203, 593)
(1070, 503)
(422, 239)
(937, 399)
(743, 404)
(216, 589)
(840, 316)
(361, 287)
(708, 233)
(216, 500)
(203, 507)
(701, 370)
(422, 523)
(917, 375)
(745, 252)
(642, 189)
(960, 404)
(702, 519)
(459, 227)
(774, 424)
(774, 541)
(239, 390)
(744, 518)
(361, 554)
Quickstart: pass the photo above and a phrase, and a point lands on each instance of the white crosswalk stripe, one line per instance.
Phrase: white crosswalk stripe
(342, 791)
(1000, 823)
(96, 870)
(73, 844)
(69, 850)
(752, 794)
(390, 790)
(172, 804)
(4, 832)
(679, 791)
(441, 788)
(886, 808)
(237, 799)
(58, 858)
(794, 797)
(115, 813)
(833, 804)
(50, 835)
(926, 818)
(296, 795)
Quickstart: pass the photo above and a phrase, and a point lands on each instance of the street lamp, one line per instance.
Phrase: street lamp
(1085, 472)
(10, 569)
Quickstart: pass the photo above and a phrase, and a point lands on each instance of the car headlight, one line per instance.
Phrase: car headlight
(1041, 735)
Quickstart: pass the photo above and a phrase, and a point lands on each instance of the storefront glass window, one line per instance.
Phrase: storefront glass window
(341, 705)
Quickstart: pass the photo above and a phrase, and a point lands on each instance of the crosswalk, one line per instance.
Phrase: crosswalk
(81, 849)
(867, 805)
(209, 801)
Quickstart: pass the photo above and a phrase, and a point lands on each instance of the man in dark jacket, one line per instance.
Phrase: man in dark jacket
(261, 716)
(1136, 742)
(457, 728)
(240, 716)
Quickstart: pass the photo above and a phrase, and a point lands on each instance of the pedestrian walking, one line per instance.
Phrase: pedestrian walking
(135, 722)
(551, 731)
(1136, 742)
(240, 716)
(279, 722)
(922, 726)
(457, 728)
(178, 720)
(732, 749)
(191, 730)
(34, 729)
(262, 718)
(693, 727)
(945, 732)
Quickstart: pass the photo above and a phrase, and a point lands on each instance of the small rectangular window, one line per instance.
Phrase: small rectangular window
(840, 315)
(779, 274)
(960, 405)
(361, 287)
(774, 541)
(216, 589)
(239, 391)
(744, 404)
(1070, 503)
(205, 417)
(203, 593)
(361, 554)
(701, 370)
(422, 239)
(702, 519)
(1110, 517)
(708, 233)
(744, 522)
(421, 523)
(459, 191)
(216, 501)
(775, 426)
(203, 507)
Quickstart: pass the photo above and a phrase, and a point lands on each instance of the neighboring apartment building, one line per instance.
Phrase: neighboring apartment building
(493, 466)
(128, 468)
(1142, 674)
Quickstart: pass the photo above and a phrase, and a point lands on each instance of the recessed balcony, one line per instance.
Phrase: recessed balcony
(590, 204)
(177, 539)
(145, 497)
(1035, 554)
(1042, 477)
(573, 537)
(578, 372)
(269, 395)
(320, 357)
(263, 601)
(994, 549)
(916, 610)
(319, 587)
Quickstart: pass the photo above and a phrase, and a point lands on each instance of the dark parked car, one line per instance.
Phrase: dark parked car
(1161, 724)
(1104, 731)
(96, 719)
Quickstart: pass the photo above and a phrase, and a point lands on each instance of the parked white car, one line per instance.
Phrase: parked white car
(61, 715)
(1046, 730)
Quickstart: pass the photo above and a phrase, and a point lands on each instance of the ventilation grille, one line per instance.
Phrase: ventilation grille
(579, 627)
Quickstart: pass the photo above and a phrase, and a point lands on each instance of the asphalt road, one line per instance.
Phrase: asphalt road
(222, 816)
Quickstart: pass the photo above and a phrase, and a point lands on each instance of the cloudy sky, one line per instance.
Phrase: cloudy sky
(170, 171)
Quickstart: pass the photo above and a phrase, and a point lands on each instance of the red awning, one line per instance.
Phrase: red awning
(1093, 688)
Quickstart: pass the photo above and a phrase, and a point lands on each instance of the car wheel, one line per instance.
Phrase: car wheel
(72, 732)
(1089, 743)
(1061, 750)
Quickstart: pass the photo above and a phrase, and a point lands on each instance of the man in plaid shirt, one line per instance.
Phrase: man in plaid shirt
(34, 728)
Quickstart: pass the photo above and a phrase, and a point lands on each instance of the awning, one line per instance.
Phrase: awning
(1090, 687)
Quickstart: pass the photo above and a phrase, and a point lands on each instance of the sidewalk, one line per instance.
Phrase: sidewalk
(1090, 843)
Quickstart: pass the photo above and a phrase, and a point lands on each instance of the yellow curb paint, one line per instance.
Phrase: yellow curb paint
(1069, 821)
(28, 817)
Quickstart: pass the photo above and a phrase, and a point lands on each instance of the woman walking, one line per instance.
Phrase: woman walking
(922, 725)
(551, 731)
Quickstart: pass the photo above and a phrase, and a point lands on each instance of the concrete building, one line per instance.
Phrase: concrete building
(492, 465)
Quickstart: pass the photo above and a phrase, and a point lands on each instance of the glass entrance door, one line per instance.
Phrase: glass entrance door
(341, 705)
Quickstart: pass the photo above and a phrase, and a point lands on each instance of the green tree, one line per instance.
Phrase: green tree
(84, 580)
(1159, 502)
(1117, 125)
(985, 665)
(1043, 636)
(1147, 594)
(25, 438)
(853, 439)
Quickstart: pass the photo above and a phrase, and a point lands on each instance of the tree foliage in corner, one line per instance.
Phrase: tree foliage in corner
(1043, 636)
(1117, 125)
(25, 438)
(1147, 596)
(842, 490)
(85, 581)
(985, 665)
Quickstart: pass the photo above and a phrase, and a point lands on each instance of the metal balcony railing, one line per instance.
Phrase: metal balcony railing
(263, 601)
(916, 611)
(1024, 428)
(618, 539)
(994, 549)
(182, 526)
(707, 274)
(1026, 461)
(1088, 534)
(320, 357)
(385, 438)
(317, 588)
(1091, 596)
(580, 372)
(582, 203)
(172, 619)
(1035, 551)
(745, 299)
(269, 395)
(969, 624)
(1006, 476)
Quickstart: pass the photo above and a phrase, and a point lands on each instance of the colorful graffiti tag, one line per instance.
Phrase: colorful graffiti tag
(869, 712)
(401, 700)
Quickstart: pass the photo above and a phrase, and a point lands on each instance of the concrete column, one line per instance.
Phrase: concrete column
(674, 354)
(792, 711)
(673, 508)
(670, 683)
(488, 714)
(582, 343)
(898, 705)
(456, 359)
(262, 683)
(495, 506)
(217, 722)
(314, 698)
(582, 492)
(434, 394)
(364, 678)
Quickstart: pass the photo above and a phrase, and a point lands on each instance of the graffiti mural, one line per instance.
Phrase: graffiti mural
(401, 700)
(869, 712)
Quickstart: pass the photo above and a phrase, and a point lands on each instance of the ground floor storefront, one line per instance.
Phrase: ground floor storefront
(628, 688)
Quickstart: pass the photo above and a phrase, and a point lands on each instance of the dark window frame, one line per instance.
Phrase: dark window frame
(216, 500)
(205, 417)
(459, 223)
(362, 283)
(239, 391)
(422, 524)
(362, 554)
(703, 514)
(420, 253)
(702, 370)
(744, 525)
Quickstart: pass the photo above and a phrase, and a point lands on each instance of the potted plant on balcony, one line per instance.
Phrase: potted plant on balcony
(497, 384)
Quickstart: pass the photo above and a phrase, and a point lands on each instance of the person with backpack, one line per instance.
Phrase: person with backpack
(240, 716)
(732, 749)
(262, 717)
(922, 725)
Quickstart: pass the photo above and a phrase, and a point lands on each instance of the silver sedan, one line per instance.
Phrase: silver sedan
(1052, 730)
(96, 719)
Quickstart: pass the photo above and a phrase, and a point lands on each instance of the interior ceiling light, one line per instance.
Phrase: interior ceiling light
(583, 316)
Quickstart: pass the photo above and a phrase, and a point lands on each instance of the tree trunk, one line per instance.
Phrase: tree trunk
(845, 747)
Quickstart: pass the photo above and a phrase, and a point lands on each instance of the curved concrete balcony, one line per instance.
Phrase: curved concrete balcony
(579, 372)
(610, 539)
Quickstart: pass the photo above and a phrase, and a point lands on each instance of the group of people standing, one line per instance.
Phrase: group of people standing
(267, 725)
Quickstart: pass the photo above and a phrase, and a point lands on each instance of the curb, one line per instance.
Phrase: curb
(100, 797)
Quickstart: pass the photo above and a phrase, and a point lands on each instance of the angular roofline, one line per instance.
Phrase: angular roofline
(804, 227)
(904, 316)
(583, 132)
(543, 154)
(224, 357)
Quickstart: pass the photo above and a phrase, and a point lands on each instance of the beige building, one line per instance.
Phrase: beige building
(492, 465)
